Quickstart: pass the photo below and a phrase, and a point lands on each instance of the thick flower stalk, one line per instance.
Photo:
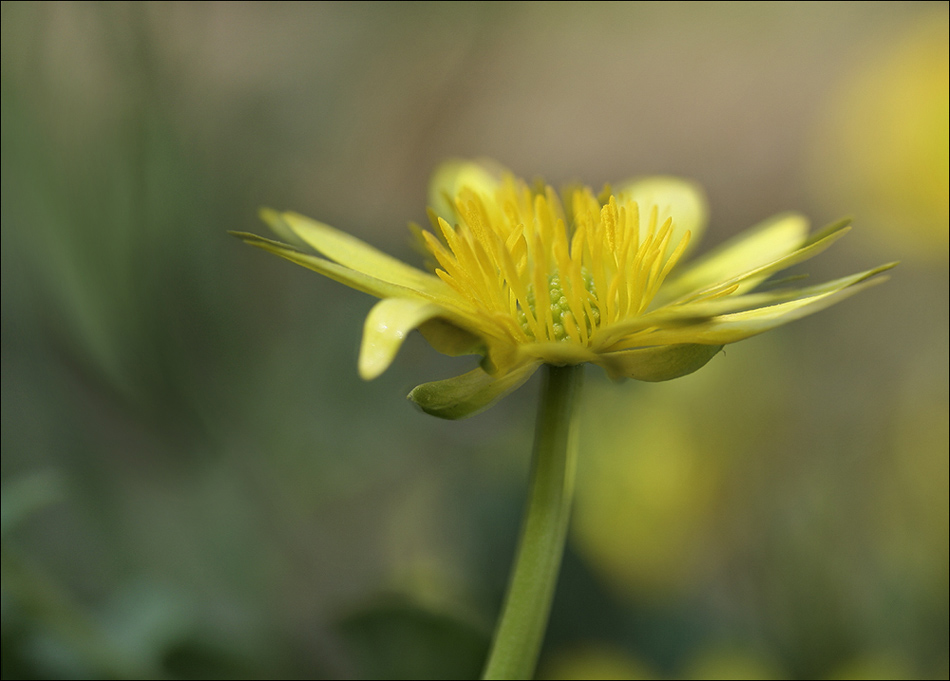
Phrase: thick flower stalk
(525, 276)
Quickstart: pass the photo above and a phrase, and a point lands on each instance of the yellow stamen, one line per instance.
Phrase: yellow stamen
(535, 274)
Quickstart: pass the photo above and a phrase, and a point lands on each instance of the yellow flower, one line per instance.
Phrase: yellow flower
(525, 277)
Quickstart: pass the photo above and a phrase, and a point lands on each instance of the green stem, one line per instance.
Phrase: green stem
(524, 617)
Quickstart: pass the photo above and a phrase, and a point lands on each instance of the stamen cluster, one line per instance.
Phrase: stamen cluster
(539, 274)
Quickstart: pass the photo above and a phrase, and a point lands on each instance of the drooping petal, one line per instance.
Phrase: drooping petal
(386, 327)
(351, 252)
(352, 278)
(674, 197)
(659, 363)
(470, 393)
(766, 242)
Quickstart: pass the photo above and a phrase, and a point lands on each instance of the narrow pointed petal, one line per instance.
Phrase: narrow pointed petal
(386, 327)
(659, 363)
(351, 252)
(280, 227)
(760, 299)
(766, 242)
(673, 196)
(352, 278)
(729, 328)
(469, 394)
(750, 279)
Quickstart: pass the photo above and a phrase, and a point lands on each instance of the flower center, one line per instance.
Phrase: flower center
(528, 271)
(561, 307)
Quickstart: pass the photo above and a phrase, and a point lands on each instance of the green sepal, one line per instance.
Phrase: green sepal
(450, 339)
(470, 393)
(660, 363)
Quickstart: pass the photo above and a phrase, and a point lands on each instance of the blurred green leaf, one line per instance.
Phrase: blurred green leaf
(395, 639)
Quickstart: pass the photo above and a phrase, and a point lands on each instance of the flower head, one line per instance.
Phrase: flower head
(524, 276)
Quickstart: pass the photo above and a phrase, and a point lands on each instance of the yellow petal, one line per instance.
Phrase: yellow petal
(766, 242)
(469, 394)
(351, 252)
(451, 176)
(386, 327)
(729, 328)
(682, 314)
(748, 280)
(674, 197)
(667, 317)
(344, 275)
(280, 227)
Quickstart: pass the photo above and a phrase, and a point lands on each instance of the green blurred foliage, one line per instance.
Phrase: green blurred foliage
(195, 483)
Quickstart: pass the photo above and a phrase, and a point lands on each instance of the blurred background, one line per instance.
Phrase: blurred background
(195, 482)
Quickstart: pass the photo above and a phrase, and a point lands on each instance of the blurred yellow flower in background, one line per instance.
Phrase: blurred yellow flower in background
(524, 276)
(646, 494)
(596, 662)
(882, 146)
